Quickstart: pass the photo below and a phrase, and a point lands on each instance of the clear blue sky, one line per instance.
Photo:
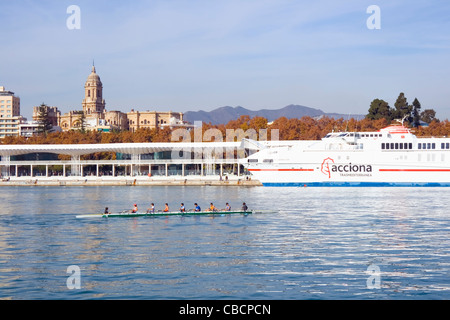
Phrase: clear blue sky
(183, 55)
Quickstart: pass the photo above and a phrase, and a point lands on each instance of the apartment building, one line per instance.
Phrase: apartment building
(10, 117)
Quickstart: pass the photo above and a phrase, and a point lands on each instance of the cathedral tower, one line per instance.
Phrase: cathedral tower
(93, 102)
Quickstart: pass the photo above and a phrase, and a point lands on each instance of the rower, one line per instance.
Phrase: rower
(151, 209)
(227, 207)
(212, 208)
(197, 208)
(106, 211)
(182, 209)
(244, 207)
(135, 208)
(166, 208)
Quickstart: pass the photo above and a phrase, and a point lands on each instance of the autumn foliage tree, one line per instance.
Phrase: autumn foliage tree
(305, 128)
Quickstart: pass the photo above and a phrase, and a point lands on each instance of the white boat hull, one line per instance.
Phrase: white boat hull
(356, 162)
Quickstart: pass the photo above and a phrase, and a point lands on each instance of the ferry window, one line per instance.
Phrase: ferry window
(252, 160)
(401, 145)
(428, 145)
(396, 145)
(392, 145)
(442, 145)
(410, 145)
(433, 146)
(383, 146)
(447, 145)
(387, 145)
(419, 146)
(268, 160)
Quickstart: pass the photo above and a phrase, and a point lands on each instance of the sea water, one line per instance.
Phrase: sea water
(323, 243)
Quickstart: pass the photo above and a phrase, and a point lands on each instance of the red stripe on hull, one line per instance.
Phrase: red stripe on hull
(414, 170)
(280, 169)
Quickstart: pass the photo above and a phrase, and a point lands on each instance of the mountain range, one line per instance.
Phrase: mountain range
(223, 115)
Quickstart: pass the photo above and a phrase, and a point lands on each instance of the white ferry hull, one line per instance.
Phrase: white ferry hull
(393, 157)
(408, 177)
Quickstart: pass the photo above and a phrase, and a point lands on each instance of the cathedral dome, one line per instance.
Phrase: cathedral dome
(93, 79)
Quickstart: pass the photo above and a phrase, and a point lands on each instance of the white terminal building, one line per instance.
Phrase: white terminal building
(142, 161)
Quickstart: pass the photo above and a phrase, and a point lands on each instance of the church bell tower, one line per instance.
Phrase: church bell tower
(93, 102)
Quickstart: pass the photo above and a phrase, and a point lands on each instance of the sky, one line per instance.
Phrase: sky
(190, 55)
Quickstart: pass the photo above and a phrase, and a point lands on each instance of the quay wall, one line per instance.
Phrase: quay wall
(128, 181)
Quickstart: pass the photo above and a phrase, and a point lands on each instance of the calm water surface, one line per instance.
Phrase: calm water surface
(319, 246)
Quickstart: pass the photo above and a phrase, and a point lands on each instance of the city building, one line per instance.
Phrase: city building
(9, 113)
(9, 104)
(153, 119)
(29, 128)
(10, 126)
(95, 116)
(52, 112)
(145, 162)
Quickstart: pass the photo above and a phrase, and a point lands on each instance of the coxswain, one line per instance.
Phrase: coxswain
(166, 208)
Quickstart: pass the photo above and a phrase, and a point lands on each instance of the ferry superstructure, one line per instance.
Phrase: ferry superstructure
(392, 156)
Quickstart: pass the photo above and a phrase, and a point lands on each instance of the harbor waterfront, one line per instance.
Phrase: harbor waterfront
(132, 181)
(187, 163)
(324, 243)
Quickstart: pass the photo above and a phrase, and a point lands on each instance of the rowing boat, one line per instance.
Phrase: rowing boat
(126, 214)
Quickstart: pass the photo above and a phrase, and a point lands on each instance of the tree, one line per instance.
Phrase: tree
(416, 113)
(82, 121)
(258, 123)
(43, 119)
(428, 115)
(379, 109)
(402, 108)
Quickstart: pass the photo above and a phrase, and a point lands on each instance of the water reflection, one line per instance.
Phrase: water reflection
(318, 246)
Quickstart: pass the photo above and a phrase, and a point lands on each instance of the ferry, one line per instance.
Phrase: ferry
(392, 156)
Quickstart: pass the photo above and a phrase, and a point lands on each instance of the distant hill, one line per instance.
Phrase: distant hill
(225, 114)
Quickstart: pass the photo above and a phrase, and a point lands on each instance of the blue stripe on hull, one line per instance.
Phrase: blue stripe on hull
(357, 184)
